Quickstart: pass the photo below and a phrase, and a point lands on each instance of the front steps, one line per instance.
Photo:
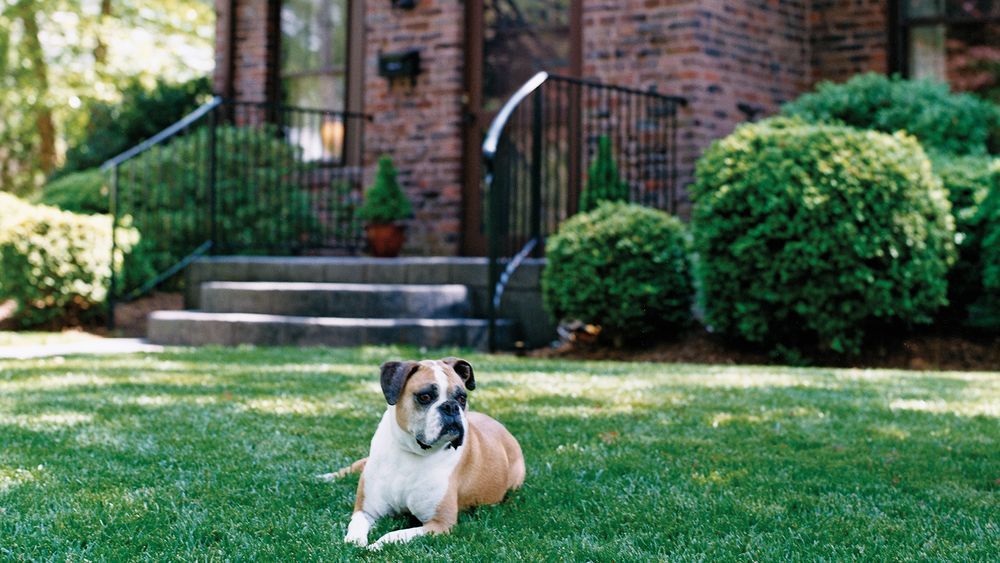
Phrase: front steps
(335, 301)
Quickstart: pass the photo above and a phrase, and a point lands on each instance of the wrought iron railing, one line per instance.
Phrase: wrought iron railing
(538, 151)
(236, 177)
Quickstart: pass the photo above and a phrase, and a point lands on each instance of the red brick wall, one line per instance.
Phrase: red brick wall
(716, 53)
(256, 54)
(420, 125)
(848, 37)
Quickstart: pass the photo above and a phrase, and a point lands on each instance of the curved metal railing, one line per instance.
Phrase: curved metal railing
(537, 153)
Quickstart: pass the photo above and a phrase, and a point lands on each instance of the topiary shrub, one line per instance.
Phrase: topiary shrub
(79, 192)
(941, 120)
(622, 267)
(967, 180)
(55, 265)
(603, 181)
(810, 235)
(385, 201)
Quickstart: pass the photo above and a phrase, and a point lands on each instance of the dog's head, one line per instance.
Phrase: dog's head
(430, 398)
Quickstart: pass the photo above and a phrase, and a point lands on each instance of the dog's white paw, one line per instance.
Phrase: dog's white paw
(356, 539)
(327, 476)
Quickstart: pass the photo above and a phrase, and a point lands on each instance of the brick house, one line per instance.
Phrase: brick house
(730, 60)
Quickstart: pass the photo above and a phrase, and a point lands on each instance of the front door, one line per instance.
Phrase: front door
(508, 41)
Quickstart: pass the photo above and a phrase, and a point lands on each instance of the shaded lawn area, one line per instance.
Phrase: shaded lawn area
(211, 454)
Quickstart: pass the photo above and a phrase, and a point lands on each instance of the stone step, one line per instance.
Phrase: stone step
(352, 300)
(196, 328)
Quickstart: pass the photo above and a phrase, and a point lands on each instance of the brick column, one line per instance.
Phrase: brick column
(420, 125)
(254, 72)
(717, 54)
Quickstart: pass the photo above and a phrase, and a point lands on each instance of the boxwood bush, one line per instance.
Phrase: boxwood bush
(968, 180)
(808, 235)
(989, 221)
(55, 265)
(941, 120)
(622, 267)
(79, 192)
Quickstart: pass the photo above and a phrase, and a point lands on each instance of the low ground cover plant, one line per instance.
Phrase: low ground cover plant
(621, 267)
(55, 265)
(211, 454)
(809, 236)
(80, 192)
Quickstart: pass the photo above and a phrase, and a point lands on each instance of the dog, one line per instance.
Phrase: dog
(430, 456)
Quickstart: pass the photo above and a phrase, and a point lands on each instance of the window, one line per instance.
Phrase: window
(314, 53)
(957, 41)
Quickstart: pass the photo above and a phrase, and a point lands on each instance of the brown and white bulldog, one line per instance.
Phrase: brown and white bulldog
(430, 457)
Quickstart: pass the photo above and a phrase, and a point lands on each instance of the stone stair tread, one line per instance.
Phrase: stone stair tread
(318, 321)
(333, 286)
(197, 328)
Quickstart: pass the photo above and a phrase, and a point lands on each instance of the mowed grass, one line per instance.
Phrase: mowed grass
(211, 455)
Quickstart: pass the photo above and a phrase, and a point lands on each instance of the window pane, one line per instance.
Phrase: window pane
(924, 8)
(313, 35)
(927, 53)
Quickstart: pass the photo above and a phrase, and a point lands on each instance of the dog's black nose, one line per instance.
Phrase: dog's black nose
(450, 408)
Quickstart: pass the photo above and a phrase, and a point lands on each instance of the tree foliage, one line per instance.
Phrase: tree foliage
(57, 57)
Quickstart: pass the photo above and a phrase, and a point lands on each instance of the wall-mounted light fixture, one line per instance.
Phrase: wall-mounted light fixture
(404, 4)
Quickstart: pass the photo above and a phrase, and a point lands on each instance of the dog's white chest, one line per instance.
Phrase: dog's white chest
(398, 480)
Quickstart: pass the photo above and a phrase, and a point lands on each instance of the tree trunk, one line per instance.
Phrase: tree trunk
(101, 49)
(43, 114)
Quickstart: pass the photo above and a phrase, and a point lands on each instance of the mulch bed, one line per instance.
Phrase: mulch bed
(965, 352)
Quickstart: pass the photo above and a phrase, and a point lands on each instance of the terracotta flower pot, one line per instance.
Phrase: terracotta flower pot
(385, 239)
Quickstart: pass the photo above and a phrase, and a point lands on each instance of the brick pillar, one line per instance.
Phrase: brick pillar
(717, 54)
(848, 37)
(254, 72)
(420, 125)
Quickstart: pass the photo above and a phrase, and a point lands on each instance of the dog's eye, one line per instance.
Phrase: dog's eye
(461, 400)
(424, 398)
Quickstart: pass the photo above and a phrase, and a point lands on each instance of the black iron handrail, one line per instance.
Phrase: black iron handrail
(537, 151)
(235, 176)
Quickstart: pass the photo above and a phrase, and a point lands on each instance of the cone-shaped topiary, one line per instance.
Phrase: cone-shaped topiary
(385, 202)
(604, 182)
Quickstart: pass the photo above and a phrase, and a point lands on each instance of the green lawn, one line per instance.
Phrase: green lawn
(211, 455)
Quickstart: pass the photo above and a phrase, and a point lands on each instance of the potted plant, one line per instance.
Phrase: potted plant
(385, 205)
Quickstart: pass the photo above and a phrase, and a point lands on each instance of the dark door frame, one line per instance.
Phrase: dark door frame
(475, 121)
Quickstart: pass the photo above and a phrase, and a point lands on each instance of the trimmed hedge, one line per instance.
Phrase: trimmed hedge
(968, 180)
(808, 235)
(55, 265)
(941, 120)
(80, 192)
(622, 267)
(989, 218)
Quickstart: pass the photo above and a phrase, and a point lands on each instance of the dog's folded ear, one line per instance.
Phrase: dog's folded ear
(394, 376)
(464, 370)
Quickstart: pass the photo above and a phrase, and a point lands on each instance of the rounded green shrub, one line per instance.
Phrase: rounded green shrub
(967, 180)
(940, 119)
(989, 221)
(809, 235)
(79, 192)
(621, 267)
(55, 265)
